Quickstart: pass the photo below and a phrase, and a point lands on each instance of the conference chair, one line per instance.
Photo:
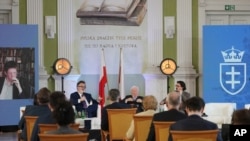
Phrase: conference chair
(162, 130)
(141, 127)
(64, 137)
(142, 124)
(30, 121)
(119, 121)
(48, 127)
(201, 135)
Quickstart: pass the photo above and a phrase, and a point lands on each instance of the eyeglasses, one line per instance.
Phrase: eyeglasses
(81, 86)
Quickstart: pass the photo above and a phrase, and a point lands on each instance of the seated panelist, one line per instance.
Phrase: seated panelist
(134, 99)
(83, 101)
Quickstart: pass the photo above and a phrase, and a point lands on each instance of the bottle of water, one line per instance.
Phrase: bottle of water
(83, 114)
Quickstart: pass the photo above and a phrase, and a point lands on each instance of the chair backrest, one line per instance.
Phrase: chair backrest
(64, 137)
(205, 135)
(48, 127)
(119, 121)
(30, 121)
(142, 124)
(162, 130)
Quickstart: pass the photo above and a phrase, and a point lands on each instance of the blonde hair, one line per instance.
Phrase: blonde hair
(149, 102)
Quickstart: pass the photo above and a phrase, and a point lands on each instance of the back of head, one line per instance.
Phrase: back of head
(195, 104)
(64, 113)
(114, 94)
(149, 102)
(173, 99)
(241, 117)
(56, 98)
(43, 96)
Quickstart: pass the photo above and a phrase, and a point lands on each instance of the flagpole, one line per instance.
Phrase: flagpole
(106, 67)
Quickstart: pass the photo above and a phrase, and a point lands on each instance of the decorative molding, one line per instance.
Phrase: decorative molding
(186, 71)
(35, 16)
(65, 31)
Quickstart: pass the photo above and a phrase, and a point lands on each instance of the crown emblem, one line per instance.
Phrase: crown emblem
(232, 55)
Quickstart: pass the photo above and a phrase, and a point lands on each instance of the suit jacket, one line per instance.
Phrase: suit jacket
(194, 122)
(134, 103)
(131, 130)
(115, 105)
(46, 118)
(91, 110)
(170, 115)
(31, 110)
(15, 94)
(64, 130)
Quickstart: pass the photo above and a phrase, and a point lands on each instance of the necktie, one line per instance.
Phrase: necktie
(84, 104)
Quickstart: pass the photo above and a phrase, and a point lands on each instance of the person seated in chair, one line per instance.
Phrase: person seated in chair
(113, 97)
(64, 116)
(134, 100)
(194, 107)
(83, 101)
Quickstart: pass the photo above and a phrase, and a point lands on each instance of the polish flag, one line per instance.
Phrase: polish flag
(103, 80)
(121, 76)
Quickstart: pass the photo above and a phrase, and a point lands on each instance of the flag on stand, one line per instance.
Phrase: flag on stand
(121, 75)
(103, 80)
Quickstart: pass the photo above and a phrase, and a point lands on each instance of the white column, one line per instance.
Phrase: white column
(15, 11)
(185, 70)
(66, 47)
(155, 81)
(35, 16)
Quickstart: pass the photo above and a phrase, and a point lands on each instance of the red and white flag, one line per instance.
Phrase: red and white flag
(121, 75)
(103, 80)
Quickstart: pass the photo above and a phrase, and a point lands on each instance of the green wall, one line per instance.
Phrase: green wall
(170, 45)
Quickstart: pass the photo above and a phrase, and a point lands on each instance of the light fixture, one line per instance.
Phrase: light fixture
(169, 26)
(50, 26)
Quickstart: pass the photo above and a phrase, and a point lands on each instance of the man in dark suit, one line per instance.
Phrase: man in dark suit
(10, 86)
(194, 108)
(114, 95)
(36, 110)
(83, 101)
(134, 100)
(173, 114)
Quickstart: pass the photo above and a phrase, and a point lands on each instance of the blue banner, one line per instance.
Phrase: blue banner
(19, 44)
(226, 64)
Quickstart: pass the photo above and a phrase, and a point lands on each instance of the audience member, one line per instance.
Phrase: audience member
(35, 110)
(181, 88)
(149, 104)
(194, 121)
(239, 117)
(55, 99)
(28, 109)
(64, 116)
(113, 97)
(134, 99)
(173, 114)
(83, 101)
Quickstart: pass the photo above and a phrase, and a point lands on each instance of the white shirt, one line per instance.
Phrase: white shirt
(7, 90)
